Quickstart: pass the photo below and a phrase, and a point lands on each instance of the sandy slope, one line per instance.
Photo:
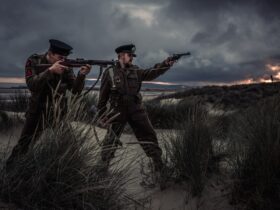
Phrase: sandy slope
(174, 197)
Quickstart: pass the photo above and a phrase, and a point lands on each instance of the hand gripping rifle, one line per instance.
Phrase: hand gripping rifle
(79, 62)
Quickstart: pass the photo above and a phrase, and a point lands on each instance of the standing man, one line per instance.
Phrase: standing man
(41, 82)
(120, 86)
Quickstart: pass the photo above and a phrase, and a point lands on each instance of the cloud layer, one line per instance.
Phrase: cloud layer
(230, 40)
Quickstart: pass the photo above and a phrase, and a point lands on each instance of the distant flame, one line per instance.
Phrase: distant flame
(265, 80)
(272, 67)
(277, 75)
(246, 81)
(273, 74)
(252, 81)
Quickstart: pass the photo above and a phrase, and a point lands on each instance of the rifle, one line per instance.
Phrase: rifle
(76, 63)
(177, 56)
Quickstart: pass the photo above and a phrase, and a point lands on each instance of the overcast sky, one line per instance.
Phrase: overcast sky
(230, 40)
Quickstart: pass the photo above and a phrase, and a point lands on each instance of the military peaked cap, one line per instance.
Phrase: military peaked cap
(129, 48)
(60, 47)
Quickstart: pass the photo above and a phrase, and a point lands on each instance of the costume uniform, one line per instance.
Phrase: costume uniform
(41, 82)
(121, 88)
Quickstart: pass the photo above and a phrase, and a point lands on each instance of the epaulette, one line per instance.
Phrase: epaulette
(35, 55)
(36, 58)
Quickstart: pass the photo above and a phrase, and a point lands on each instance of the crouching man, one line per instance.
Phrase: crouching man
(42, 82)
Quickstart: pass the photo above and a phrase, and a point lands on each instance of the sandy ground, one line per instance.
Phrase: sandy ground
(174, 197)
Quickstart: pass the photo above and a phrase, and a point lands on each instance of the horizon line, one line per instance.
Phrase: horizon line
(21, 80)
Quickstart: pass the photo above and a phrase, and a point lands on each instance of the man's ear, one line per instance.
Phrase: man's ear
(50, 53)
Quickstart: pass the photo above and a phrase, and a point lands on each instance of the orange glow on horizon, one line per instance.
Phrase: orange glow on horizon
(246, 81)
(272, 67)
(265, 80)
(274, 74)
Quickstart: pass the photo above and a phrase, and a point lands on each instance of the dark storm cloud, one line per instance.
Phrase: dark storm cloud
(216, 8)
(228, 34)
(230, 40)
(94, 29)
(29, 25)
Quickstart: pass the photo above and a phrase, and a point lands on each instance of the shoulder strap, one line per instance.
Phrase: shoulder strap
(111, 74)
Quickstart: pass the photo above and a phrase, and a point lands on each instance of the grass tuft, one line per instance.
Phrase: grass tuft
(256, 156)
(189, 151)
(62, 169)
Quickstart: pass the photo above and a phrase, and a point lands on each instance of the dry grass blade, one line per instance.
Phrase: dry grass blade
(61, 169)
(189, 153)
(256, 156)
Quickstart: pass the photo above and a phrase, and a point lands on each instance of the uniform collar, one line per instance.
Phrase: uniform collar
(125, 68)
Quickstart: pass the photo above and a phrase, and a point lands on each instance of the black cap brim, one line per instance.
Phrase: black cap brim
(129, 52)
(60, 47)
(59, 51)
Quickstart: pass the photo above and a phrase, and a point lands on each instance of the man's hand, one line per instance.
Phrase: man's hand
(169, 62)
(57, 68)
(85, 69)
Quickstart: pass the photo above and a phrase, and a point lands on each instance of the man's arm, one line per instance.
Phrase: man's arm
(154, 72)
(36, 81)
(104, 93)
(75, 83)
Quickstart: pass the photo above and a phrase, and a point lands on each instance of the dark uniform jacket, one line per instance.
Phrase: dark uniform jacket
(128, 83)
(41, 82)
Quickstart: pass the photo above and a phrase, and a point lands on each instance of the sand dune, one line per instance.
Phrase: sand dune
(175, 196)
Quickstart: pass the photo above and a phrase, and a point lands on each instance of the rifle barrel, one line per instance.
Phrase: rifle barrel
(74, 63)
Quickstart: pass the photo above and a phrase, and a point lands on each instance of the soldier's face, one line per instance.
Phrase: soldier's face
(127, 58)
(54, 57)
